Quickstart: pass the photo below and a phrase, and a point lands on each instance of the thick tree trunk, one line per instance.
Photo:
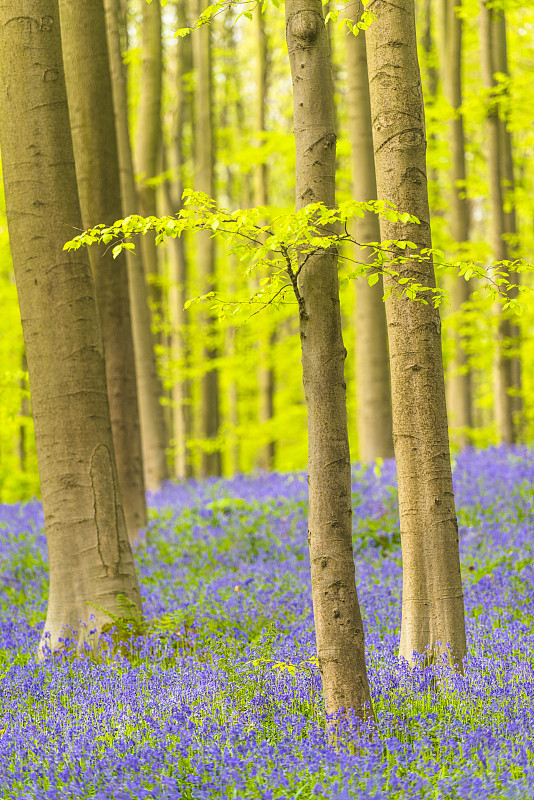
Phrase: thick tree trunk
(503, 377)
(459, 400)
(211, 458)
(338, 624)
(375, 436)
(87, 75)
(149, 391)
(266, 377)
(432, 604)
(89, 552)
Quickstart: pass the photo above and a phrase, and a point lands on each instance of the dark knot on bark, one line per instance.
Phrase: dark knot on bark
(304, 25)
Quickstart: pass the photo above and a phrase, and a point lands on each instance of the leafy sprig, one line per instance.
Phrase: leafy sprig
(280, 244)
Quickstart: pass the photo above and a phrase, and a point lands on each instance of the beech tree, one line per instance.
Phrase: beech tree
(149, 390)
(89, 553)
(204, 181)
(178, 263)
(459, 396)
(87, 74)
(148, 143)
(375, 438)
(338, 623)
(506, 372)
(266, 374)
(432, 597)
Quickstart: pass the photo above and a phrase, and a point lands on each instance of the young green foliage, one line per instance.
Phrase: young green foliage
(272, 241)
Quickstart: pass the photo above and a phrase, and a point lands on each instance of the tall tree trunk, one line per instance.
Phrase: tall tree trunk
(432, 603)
(149, 391)
(338, 624)
(89, 552)
(459, 400)
(178, 342)
(503, 377)
(88, 80)
(375, 436)
(266, 377)
(211, 458)
(149, 141)
(178, 316)
(506, 163)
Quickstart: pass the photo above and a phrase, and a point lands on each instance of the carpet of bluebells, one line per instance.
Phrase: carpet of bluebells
(220, 696)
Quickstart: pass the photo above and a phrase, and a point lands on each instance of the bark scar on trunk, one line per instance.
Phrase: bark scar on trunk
(328, 140)
(105, 508)
(304, 25)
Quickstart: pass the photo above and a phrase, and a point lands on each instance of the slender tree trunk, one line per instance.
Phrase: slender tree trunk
(266, 377)
(510, 221)
(237, 187)
(211, 459)
(85, 56)
(89, 552)
(149, 391)
(375, 437)
(149, 141)
(431, 73)
(338, 624)
(459, 400)
(503, 378)
(432, 604)
(178, 316)
(178, 343)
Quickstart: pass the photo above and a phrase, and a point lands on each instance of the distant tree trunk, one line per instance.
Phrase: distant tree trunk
(338, 624)
(178, 316)
(237, 188)
(432, 603)
(211, 460)
(149, 391)
(503, 375)
(510, 221)
(149, 141)
(266, 377)
(88, 80)
(430, 48)
(375, 437)
(178, 342)
(89, 553)
(459, 399)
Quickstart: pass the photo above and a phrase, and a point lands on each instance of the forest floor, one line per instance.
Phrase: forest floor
(220, 697)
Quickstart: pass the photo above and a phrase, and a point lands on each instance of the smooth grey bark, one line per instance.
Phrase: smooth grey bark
(503, 370)
(338, 623)
(375, 435)
(178, 266)
(149, 390)
(88, 80)
(510, 220)
(204, 182)
(266, 374)
(90, 558)
(459, 388)
(432, 602)
(149, 126)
